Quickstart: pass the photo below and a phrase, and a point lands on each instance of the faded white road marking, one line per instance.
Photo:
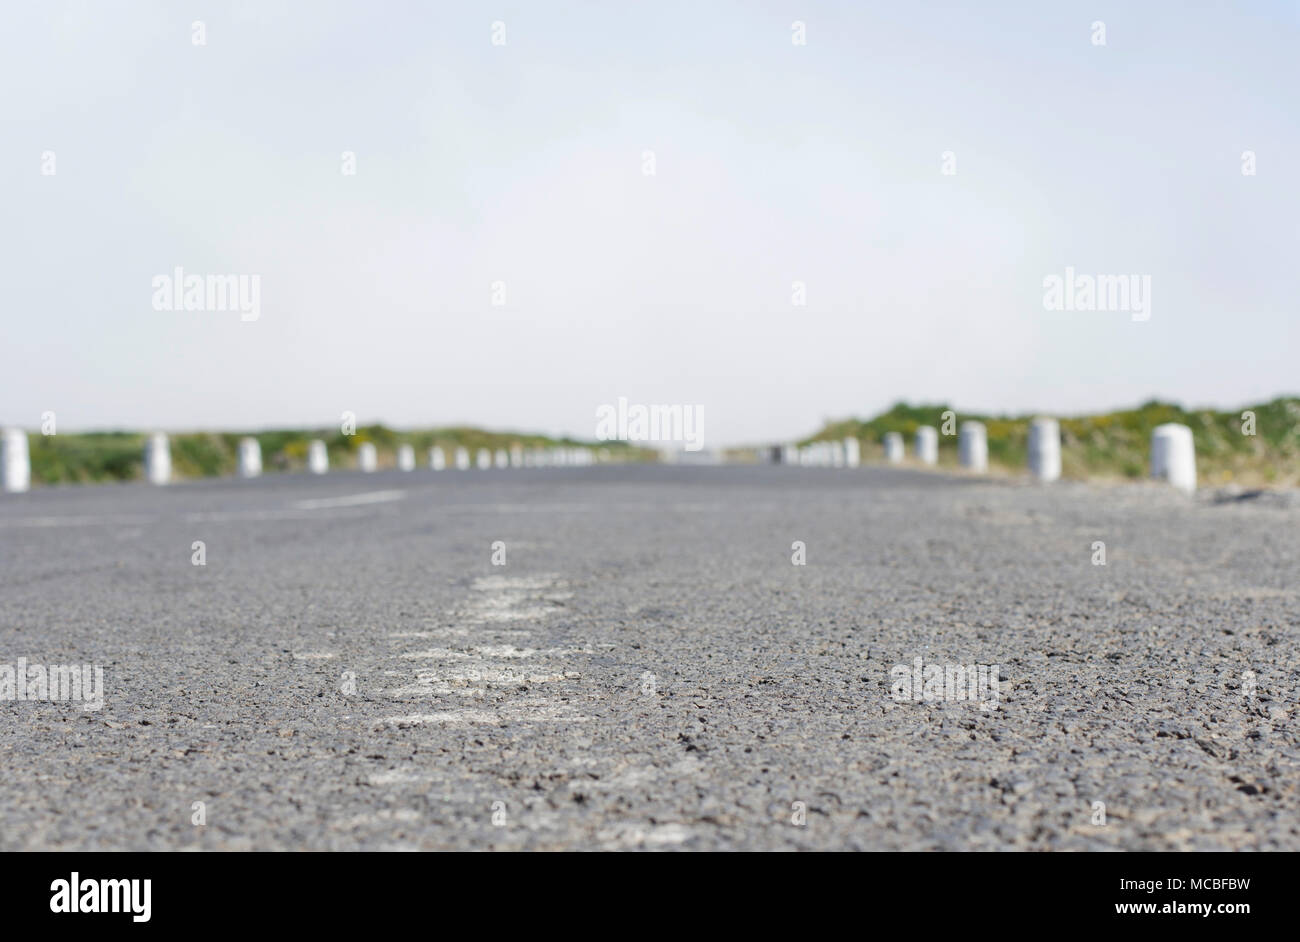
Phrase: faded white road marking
(506, 599)
(424, 635)
(654, 836)
(440, 653)
(447, 718)
(75, 521)
(519, 711)
(401, 778)
(352, 500)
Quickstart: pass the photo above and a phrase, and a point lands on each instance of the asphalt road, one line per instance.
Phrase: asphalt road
(649, 669)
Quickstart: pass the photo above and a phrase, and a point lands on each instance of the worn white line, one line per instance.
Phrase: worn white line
(76, 521)
(352, 500)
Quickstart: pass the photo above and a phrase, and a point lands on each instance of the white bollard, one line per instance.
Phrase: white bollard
(157, 459)
(367, 459)
(16, 462)
(852, 452)
(462, 459)
(973, 446)
(894, 450)
(405, 458)
(250, 458)
(1045, 449)
(318, 457)
(437, 458)
(927, 444)
(1173, 456)
(484, 459)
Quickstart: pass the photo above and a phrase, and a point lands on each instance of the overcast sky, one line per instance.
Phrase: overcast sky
(523, 163)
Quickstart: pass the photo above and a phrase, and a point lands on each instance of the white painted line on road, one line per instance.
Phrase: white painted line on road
(352, 500)
(221, 516)
(402, 778)
(75, 521)
(441, 632)
(440, 653)
(659, 835)
(449, 718)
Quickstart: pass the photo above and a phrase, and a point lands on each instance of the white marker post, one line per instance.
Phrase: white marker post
(250, 458)
(1045, 449)
(437, 458)
(852, 452)
(405, 458)
(973, 446)
(16, 462)
(462, 459)
(927, 444)
(894, 449)
(484, 459)
(157, 459)
(367, 459)
(1173, 456)
(318, 457)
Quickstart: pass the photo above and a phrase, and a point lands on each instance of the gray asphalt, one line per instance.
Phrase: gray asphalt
(649, 670)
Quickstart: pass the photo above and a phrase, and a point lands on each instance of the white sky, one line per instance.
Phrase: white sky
(522, 163)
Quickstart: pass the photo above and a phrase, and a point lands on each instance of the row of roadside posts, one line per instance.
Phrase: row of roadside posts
(1173, 455)
(1173, 452)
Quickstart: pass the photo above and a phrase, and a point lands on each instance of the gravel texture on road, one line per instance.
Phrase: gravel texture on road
(649, 669)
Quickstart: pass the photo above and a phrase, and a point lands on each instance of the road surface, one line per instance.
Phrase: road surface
(649, 669)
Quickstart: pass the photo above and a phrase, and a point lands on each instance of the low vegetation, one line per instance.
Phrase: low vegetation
(1114, 444)
(119, 456)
